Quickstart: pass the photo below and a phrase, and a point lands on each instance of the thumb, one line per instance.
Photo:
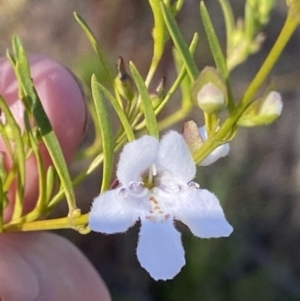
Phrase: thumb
(43, 266)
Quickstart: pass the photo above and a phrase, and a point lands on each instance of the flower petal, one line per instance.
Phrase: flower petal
(135, 158)
(201, 211)
(219, 152)
(160, 250)
(112, 213)
(175, 156)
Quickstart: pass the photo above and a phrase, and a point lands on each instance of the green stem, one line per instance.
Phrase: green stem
(51, 224)
(283, 38)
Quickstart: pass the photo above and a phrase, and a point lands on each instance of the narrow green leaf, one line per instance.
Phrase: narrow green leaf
(159, 37)
(151, 122)
(106, 134)
(229, 21)
(182, 80)
(179, 42)
(17, 45)
(11, 58)
(100, 54)
(186, 82)
(44, 126)
(213, 41)
(122, 116)
(217, 52)
(43, 184)
(178, 6)
(96, 46)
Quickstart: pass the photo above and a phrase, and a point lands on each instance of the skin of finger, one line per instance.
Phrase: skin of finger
(46, 267)
(65, 106)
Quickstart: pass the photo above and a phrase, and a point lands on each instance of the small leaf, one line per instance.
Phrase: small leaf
(179, 42)
(106, 134)
(213, 41)
(122, 116)
(151, 122)
(159, 37)
(96, 46)
(43, 183)
(229, 21)
(208, 75)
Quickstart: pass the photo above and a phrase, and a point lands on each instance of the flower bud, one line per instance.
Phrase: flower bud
(262, 111)
(123, 81)
(272, 105)
(192, 136)
(195, 137)
(210, 99)
(209, 91)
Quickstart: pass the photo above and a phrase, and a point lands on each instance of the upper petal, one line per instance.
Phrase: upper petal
(160, 250)
(219, 152)
(112, 213)
(175, 156)
(136, 157)
(201, 211)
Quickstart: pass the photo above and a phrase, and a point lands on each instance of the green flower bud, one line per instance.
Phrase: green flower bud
(209, 91)
(210, 99)
(261, 10)
(262, 111)
(123, 81)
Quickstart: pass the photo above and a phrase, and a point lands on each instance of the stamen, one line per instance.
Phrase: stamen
(154, 200)
(194, 185)
(136, 186)
(123, 192)
(151, 174)
(154, 169)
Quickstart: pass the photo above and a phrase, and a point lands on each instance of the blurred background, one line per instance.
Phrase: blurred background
(258, 184)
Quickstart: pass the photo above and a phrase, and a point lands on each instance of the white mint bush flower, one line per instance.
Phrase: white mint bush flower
(156, 188)
(219, 152)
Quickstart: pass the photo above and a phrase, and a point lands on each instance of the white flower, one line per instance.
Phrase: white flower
(156, 188)
(219, 152)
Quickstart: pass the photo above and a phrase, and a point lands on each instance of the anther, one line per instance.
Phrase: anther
(194, 185)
